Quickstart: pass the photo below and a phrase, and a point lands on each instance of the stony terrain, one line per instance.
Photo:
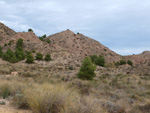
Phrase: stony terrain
(69, 49)
(115, 89)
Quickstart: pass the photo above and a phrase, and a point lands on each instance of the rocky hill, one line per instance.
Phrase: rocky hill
(82, 46)
(68, 48)
(5, 32)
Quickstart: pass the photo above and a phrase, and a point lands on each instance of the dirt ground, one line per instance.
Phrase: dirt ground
(8, 108)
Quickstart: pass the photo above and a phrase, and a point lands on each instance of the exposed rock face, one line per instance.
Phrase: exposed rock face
(82, 46)
(68, 48)
(5, 32)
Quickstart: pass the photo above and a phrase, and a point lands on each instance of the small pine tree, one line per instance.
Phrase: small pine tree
(10, 56)
(20, 54)
(47, 57)
(10, 53)
(30, 59)
(13, 59)
(39, 56)
(129, 62)
(30, 30)
(87, 70)
(6, 57)
(19, 44)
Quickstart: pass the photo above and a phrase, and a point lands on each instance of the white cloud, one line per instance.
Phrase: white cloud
(115, 23)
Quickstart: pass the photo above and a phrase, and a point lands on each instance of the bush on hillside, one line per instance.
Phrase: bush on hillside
(30, 59)
(87, 69)
(47, 57)
(93, 57)
(100, 61)
(48, 41)
(42, 37)
(39, 56)
(123, 62)
(20, 54)
(129, 62)
(30, 30)
(19, 44)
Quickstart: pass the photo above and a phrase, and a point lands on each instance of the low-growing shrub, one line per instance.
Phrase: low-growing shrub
(39, 56)
(30, 59)
(70, 67)
(129, 62)
(47, 57)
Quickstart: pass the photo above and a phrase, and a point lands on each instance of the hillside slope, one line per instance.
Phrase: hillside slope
(82, 46)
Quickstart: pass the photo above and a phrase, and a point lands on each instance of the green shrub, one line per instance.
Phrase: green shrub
(30, 59)
(30, 30)
(20, 54)
(100, 61)
(122, 62)
(129, 62)
(93, 57)
(33, 51)
(10, 52)
(10, 42)
(5, 92)
(39, 56)
(48, 41)
(70, 67)
(13, 59)
(6, 57)
(47, 57)
(42, 37)
(9, 56)
(27, 52)
(19, 44)
(87, 69)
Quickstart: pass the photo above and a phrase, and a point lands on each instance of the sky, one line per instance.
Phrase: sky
(121, 25)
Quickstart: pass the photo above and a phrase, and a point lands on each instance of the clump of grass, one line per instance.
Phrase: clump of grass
(5, 91)
(47, 98)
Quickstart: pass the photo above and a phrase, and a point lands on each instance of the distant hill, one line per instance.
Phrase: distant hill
(67, 48)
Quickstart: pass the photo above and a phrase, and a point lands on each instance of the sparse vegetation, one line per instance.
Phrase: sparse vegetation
(42, 37)
(129, 62)
(30, 30)
(98, 60)
(87, 70)
(39, 56)
(10, 56)
(47, 57)
(30, 59)
(48, 41)
(10, 42)
(122, 62)
(19, 44)
(71, 67)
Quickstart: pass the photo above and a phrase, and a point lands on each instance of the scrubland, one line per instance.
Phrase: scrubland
(42, 91)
